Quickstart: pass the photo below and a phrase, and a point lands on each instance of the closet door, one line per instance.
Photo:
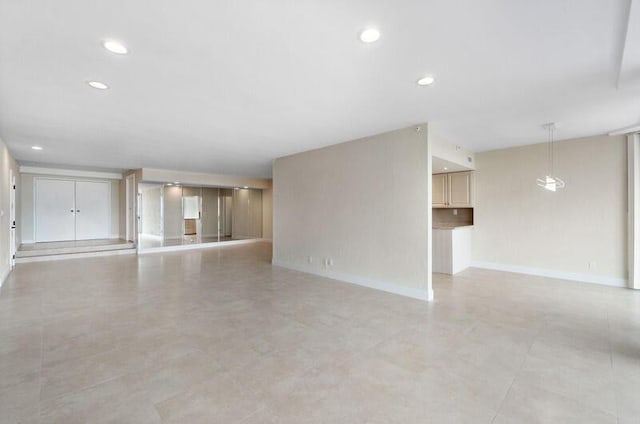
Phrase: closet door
(93, 209)
(55, 210)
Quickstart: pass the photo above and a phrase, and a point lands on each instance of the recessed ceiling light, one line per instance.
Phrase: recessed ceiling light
(36, 147)
(370, 35)
(98, 85)
(246, 187)
(115, 47)
(428, 80)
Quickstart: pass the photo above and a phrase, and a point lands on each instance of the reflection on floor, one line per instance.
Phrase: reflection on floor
(222, 336)
(148, 241)
(33, 250)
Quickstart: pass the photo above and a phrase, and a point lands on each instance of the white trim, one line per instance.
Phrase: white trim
(180, 247)
(69, 173)
(65, 256)
(28, 241)
(420, 294)
(561, 275)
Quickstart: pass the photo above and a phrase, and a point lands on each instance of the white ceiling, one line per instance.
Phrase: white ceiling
(442, 166)
(227, 86)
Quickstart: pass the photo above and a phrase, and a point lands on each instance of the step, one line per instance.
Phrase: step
(40, 250)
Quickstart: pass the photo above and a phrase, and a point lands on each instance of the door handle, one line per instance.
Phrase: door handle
(71, 210)
(77, 210)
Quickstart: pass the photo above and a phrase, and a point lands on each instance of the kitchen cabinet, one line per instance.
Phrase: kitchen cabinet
(453, 190)
(439, 190)
(451, 249)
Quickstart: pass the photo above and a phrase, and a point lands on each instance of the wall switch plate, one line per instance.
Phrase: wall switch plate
(310, 259)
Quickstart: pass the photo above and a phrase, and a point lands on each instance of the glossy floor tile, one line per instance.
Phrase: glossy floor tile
(221, 336)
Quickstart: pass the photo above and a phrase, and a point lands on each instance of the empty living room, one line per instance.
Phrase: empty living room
(250, 212)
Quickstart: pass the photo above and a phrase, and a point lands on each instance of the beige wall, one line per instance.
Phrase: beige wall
(362, 204)
(267, 214)
(210, 211)
(27, 214)
(172, 212)
(247, 214)
(520, 224)
(7, 163)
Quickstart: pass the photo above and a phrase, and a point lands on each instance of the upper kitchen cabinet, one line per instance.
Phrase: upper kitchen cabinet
(460, 189)
(454, 190)
(440, 195)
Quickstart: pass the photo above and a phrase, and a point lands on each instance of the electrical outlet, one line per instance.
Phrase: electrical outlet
(330, 262)
(592, 265)
(455, 212)
(310, 259)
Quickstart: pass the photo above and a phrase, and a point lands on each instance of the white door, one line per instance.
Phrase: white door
(55, 210)
(12, 219)
(93, 210)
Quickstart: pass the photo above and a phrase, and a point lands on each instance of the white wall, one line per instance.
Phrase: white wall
(527, 228)
(27, 214)
(7, 163)
(200, 179)
(452, 153)
(150, 220)
(363, 204)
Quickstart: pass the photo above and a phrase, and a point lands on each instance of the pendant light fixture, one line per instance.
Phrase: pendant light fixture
(550, 181)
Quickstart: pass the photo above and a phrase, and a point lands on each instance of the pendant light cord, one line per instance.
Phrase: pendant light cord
(551, 148)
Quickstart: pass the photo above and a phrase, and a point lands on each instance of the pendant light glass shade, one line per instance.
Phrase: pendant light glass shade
(550, 182)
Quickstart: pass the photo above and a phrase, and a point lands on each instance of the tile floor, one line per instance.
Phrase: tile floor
(147, 242)
(221, 336)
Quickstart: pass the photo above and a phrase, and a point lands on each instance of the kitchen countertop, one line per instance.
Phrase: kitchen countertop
(450, 226)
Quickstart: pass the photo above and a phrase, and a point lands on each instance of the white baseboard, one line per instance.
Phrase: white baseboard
(420, 294)
(27, 241)
(561, 275)
(195, 246)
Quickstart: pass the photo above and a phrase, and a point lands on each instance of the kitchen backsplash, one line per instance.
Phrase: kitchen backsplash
(446, 216)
